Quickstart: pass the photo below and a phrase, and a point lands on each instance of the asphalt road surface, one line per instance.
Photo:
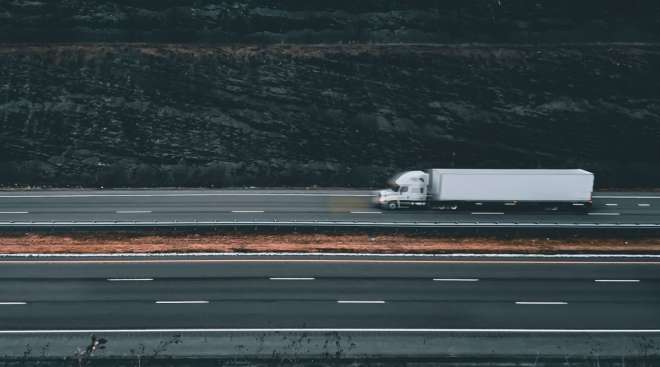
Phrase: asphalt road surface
(295, 207)
(328, 292)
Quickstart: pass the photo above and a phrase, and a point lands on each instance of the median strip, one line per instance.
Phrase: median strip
(183, 244)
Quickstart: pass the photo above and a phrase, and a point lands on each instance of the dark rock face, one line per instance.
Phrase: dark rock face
(325, 21)
(176, 115)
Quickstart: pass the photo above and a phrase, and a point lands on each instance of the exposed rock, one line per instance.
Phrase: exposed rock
(177, 115)
(323, 21)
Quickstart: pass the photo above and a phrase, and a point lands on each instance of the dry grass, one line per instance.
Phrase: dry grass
(151, 243)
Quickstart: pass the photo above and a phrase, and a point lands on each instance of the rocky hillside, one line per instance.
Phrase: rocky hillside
(330, 21)
(184, 115)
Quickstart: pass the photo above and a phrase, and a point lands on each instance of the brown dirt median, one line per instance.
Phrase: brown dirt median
(401, 243)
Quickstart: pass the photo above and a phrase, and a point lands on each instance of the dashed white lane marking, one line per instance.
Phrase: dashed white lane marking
(130, 279)
(367, 302)
(247, 211)
(12, 303)
(366, 212)
(132, 211)
(611, 204)
(617, 280)
(487, 213)
(455, 280)
(540, 303)
(182, 302)
(644, 204)
(14, 212)
(273, 278)
(605, 213)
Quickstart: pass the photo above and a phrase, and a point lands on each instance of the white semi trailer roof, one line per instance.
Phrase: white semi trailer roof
(572, 185)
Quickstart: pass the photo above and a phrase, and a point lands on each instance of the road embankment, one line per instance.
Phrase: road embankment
(131, 242)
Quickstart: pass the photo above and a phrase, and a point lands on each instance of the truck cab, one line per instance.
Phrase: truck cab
(405, 189)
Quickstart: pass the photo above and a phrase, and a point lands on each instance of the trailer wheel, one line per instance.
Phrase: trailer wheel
(391, 205)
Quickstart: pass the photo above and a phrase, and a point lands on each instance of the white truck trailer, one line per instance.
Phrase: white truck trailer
(549, 189)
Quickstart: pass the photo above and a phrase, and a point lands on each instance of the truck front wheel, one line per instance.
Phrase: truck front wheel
(392, 205)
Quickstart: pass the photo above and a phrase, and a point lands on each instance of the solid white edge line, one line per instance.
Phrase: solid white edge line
(360, 302)
(326, 330)
(354, 224)
(455, 280)
(540, 303)
(130, 279)
(366, 212)
(624, 197)
(182, 302)
(133, 211)
(617, 280)
(333, 254)
(18, 212)
(275, 278)
(12, 303)
(258, 194)
(183, 195)
(247, 211)
(487, 213)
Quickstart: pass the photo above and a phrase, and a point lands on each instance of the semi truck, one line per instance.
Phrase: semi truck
(453, 189)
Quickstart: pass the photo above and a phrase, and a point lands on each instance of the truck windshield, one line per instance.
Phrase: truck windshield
(391, 183)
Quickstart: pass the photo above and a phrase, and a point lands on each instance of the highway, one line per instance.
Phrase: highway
(330, 293)
(336, 208)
